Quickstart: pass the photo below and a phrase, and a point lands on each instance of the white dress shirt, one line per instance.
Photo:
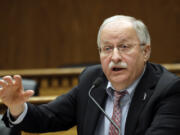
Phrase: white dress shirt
(104, 123)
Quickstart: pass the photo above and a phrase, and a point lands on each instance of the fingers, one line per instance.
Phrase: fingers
(9, 82)
(3, 83)
(18, 80)
(8, 79)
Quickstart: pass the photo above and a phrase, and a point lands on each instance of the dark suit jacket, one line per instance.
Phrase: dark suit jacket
(157, 114)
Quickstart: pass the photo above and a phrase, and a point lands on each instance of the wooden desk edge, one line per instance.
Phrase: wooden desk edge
(38, 100)
(43, 72)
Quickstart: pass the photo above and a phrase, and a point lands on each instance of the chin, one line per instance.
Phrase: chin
(118, 80)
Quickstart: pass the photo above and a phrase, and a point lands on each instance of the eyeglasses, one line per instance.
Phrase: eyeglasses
(122, 48)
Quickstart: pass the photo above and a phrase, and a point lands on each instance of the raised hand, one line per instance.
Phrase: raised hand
(13, 95)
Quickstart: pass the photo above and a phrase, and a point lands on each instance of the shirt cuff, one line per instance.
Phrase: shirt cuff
(20, 118)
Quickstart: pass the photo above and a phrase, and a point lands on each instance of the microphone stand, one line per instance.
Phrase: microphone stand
(102, 110)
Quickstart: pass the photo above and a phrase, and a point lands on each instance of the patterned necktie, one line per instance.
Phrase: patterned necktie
(116, 117)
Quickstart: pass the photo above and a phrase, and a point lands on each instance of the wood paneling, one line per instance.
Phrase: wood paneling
(52, 33)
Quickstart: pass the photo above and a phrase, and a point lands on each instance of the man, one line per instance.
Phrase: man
(149, 95)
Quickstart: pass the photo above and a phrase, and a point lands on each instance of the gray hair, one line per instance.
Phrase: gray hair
(138, 25)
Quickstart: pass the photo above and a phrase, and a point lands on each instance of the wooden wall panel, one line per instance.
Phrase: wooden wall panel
(52, 33)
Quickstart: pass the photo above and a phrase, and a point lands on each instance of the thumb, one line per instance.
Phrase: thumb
(28, 93)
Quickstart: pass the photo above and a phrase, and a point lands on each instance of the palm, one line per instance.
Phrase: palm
(12, 93)
(12, 96)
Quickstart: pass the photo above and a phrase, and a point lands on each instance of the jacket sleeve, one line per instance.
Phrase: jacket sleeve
(54, 116)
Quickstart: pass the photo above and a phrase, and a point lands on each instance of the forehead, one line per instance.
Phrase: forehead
(117, 24)
(118, 31)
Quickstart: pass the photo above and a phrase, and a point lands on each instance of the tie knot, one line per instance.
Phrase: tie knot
(118, 95)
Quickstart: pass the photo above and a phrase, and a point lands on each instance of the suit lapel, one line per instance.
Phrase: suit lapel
(142, 94)
(93, 112)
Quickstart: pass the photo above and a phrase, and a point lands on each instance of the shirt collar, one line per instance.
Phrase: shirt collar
(130, 89)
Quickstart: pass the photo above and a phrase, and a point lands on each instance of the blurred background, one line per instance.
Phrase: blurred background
(40, 34)
(54, 33)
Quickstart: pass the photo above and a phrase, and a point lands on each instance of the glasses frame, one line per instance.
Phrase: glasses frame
(122, 48)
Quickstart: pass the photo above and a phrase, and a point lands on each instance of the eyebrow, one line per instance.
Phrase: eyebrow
(108, 42)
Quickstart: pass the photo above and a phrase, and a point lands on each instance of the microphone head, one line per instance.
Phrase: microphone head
(98, 81)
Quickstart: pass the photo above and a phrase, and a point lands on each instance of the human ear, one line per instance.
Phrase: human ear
(146, 52)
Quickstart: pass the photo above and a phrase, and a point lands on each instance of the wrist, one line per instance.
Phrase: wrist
(16, 111)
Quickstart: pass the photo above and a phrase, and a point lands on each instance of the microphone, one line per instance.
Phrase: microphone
(96, 83)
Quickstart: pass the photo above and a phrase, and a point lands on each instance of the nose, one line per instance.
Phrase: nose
(116, 56)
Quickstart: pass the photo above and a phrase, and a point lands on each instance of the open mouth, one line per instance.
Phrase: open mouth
(116, 69)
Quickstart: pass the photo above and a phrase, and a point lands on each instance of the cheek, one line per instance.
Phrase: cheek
(104, 62)
(134, 61)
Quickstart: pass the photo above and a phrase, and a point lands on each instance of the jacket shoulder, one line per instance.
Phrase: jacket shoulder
(94, 70)
(168, 82)
(164, 72)
(90, 73)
